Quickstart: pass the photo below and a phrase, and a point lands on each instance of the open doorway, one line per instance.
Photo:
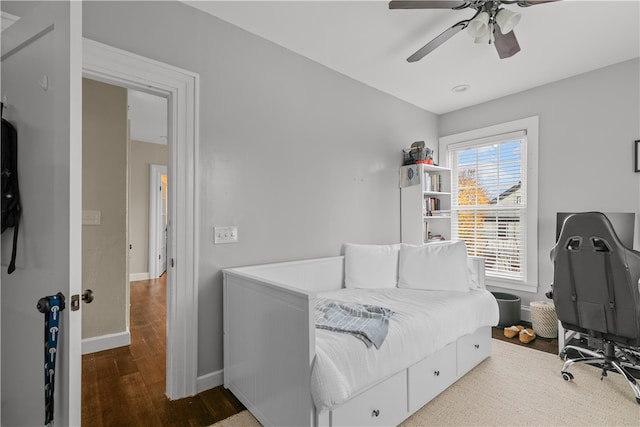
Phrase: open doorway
(125, 154)
(124, 145)
(148, 198)
(180, 87)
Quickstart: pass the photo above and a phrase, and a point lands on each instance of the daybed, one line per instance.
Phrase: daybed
(288, 373)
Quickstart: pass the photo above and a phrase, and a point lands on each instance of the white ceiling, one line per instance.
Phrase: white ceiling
(370, 43)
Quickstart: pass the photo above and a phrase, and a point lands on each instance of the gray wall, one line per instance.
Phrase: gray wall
(301, 158)
(587, 127)
(104, 189)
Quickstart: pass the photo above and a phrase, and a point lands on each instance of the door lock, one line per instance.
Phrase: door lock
(87, 296)
(75, 302)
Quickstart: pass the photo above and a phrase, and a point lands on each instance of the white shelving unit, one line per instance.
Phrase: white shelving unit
(425, 203)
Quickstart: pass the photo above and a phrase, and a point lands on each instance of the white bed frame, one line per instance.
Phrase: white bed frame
(269, 348)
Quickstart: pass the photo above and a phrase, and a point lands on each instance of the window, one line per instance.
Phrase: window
(494, 199)
(489, 205)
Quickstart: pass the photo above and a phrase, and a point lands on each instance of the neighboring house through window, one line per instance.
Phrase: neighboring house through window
(494, 199)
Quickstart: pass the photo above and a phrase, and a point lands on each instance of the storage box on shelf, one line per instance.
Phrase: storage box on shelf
(425, 203)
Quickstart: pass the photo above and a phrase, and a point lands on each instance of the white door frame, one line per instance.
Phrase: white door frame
(155, 199)
(181, 87)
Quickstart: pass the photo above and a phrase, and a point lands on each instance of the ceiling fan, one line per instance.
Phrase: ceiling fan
(490, 24)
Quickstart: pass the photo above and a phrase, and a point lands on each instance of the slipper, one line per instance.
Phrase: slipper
(512, 331)
(527, 335)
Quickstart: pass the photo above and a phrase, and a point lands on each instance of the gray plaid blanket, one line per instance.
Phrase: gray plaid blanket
(368, 323)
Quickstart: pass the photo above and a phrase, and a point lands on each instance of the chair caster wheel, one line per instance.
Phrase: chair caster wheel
(567, 376)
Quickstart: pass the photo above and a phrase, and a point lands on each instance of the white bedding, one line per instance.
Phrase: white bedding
(423, 322)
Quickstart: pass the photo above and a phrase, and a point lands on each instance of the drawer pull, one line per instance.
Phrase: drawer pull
(375, 413)
(477, 346)
(436, 373)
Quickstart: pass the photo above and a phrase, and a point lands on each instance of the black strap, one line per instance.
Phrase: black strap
(610, 288)
(51, 306)
(572, 281)
(12, 263)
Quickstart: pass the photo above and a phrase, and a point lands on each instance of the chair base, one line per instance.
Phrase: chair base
(613, 358)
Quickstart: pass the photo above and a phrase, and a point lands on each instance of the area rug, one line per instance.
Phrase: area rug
(518, 386)
(242, 419)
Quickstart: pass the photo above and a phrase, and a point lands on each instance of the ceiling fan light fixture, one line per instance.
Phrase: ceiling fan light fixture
(479, 26)
(487, 37)
(507, 20)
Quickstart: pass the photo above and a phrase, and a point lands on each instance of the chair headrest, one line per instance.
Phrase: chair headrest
(588, 230)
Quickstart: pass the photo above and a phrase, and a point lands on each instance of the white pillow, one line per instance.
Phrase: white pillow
(436, 267)
(370, 266)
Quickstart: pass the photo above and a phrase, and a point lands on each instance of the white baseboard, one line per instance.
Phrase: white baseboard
(525, 313)
(105, 342)
(209, 381)
(133, 277)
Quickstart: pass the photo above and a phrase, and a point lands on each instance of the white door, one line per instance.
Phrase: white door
(41, 83)
(158, 202)
(163, 223)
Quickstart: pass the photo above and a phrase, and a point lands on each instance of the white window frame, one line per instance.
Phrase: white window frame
(530, 126)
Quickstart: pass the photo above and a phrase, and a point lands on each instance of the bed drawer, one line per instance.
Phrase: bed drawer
(431, 376)
(383, 405)
(472, 349)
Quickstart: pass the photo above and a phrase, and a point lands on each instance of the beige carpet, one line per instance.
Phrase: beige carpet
(521, 386)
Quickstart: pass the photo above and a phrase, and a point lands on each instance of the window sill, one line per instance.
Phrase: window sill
(511, 285)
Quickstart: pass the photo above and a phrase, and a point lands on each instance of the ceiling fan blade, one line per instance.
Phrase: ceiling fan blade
(433, 44)
(527, 3)
(429, 4)
(506, 44)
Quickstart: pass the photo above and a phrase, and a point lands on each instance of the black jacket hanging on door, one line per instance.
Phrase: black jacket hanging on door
(11, 208)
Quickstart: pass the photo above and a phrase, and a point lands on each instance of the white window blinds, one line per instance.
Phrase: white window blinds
(489, 201)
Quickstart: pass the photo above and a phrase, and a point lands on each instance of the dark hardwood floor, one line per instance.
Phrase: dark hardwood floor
(549, 345)
(126, 386)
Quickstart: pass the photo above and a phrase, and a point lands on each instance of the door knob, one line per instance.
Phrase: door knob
(87, 296)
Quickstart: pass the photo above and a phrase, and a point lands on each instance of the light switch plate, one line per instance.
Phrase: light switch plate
(90, 217)
(226, 234)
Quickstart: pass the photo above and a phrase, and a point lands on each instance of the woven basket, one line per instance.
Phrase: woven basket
(544, 319)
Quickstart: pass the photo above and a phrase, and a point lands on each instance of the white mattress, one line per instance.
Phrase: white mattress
(423, 322)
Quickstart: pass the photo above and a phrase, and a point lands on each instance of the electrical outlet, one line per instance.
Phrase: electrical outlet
(227, 234)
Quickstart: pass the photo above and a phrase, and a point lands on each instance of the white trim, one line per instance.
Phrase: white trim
(134, 277)
(155, 171)
(181, 88)
(74, 329)
(105, 342)
(531, 126)
(210, 380)
(493, 139)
